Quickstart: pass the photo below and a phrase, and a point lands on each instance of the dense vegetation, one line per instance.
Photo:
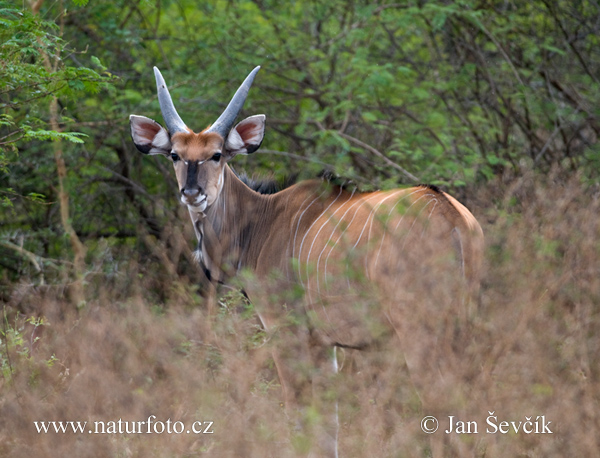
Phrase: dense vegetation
(452, 93)
(496, 101)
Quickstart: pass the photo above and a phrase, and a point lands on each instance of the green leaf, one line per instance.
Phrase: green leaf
(52, 135)
(553, 49)
(368, 116)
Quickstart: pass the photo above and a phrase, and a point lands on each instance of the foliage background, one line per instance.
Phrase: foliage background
(452, 93)
(496, 101)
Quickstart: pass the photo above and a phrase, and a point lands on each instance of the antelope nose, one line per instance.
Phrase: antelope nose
(190, 192)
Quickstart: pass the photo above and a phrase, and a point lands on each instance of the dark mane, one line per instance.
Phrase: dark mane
(332, 178)
(267, 186)
(271, 185)
(433, 187)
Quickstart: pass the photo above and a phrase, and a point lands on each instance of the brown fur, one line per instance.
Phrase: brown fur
(196, 147)
(244, 229)
(321, 236)
(272, 222)
(362, 260)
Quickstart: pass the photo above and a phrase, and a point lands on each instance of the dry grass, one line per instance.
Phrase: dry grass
(530, 348)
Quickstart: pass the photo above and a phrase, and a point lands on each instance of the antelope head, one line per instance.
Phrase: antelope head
(199, 158)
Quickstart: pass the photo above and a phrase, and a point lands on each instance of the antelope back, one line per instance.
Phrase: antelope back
(343, 246)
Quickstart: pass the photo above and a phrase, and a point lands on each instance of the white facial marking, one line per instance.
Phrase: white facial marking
(199, 209)
(198, 206)
(220, 182)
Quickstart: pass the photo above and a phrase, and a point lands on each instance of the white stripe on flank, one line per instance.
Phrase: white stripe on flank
(373, 210)
(362, 202)
(326, 244)
(298, 227)
(310, 250)
(317, 235)
(416, 218)
(384, 229)
(397, 224)
(429, 216)
(302, 244)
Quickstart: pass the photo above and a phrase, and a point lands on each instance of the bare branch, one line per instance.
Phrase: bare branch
(379, 154)
(31, 257)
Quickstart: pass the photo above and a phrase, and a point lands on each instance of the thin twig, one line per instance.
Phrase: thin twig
(547, 144)
(292, 155)
(502, 51)
(379, 154)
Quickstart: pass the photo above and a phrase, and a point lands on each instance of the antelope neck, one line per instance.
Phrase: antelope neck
(235, 226)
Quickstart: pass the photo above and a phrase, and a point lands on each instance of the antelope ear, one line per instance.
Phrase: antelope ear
(149, 136)
(246, 137)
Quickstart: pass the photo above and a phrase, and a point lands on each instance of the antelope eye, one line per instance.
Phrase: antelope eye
(216, 157)
(175, 157)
